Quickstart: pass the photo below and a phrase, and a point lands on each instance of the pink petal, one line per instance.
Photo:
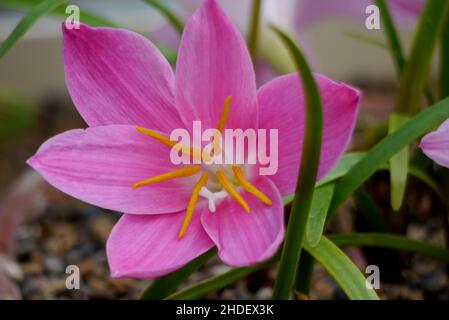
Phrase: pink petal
(118, 77)
(436, 145)
(282, 107)
(148, 246)
(99, 165)
(213, 63)
(246, 239)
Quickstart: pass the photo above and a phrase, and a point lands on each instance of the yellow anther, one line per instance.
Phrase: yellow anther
(221, 124)
(192, 203)
(183, 172)
(221, 177)
(196, 153)
(240, 177)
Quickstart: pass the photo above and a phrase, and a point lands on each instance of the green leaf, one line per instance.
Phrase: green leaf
(383, 240)
(348, 161)
(342, 269)
(167, 13)
(388, 147)
(321, 201)
(254, 28)
(27, 22)
(166, 285)
(391, 35)
(341, 168)
(398, 166)
(416, 70)
(219, 282)
(299, 214)
(86, 16)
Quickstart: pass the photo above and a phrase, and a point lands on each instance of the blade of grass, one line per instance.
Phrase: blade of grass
(299, 215)
(341, 168)
(398, 166)
(321, 201)
(385, 149)
(167, 13)
(392, 36)
(342, 269)
(86, 16)
(164, 286)
(219, 282)
(390, 241)
(27, 22)
(254, 29)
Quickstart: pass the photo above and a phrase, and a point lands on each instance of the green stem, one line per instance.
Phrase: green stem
(167, 13)
(254, 29)
(299, 215)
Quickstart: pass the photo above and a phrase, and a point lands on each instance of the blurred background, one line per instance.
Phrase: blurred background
(42, 231)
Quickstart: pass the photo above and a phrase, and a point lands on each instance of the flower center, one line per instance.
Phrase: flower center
(214, 184)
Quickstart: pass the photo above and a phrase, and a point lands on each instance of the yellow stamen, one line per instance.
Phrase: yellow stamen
(196, 153)
(221, 124)
(225, 114)
(192, 203)
(249, 187)
(230, 189)
(183, 172)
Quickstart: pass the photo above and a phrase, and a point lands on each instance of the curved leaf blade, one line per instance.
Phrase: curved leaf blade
(342, 269)
(305, 186)
(27, 22)
(321, 201)
(166, 285)
(383, 240)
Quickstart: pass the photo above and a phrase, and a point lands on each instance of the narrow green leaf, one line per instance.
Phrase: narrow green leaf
(164, 286)
(219, 282)
(341, 168)
(167, 13)
(27, 22)
(383, 240)
(398, 166)
(254, 28)
(416, 70)
(299, 215)
(391, 35)
(342, 269)
(348, 161)
(86, 16)
(321, 201)
(388, 147)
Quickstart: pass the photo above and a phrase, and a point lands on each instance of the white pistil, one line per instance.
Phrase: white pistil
(212, 197)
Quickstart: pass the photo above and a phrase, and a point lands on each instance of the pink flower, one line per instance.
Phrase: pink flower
(118, 80)
(436, 145)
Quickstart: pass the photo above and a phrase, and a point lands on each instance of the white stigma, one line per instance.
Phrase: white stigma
(212, 197)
